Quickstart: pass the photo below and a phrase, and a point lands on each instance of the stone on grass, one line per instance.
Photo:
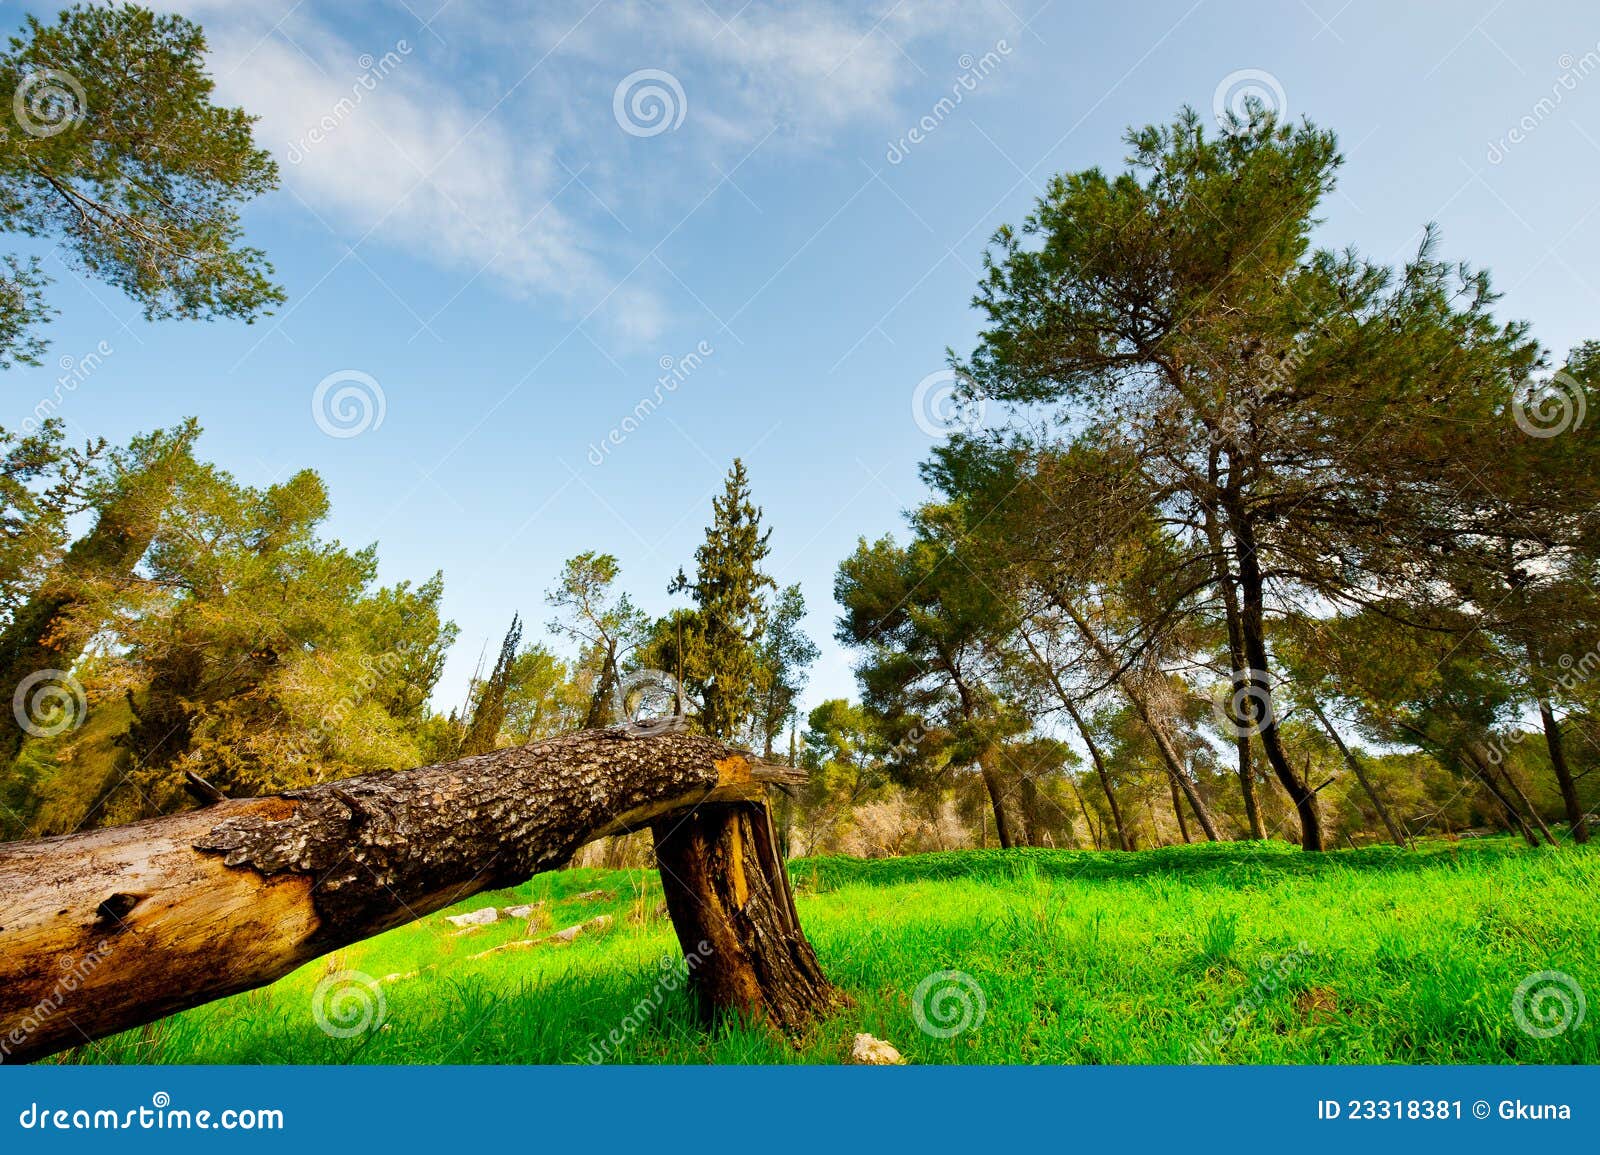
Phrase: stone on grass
(598, 896)
(473, 918)
(527, 910)
(598, 922)
(870, 1052)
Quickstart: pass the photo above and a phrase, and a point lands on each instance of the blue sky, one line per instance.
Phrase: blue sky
(479, 223)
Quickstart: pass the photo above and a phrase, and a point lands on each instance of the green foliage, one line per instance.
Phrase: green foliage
(715, 648)
(489, 698)
(605, 625)
(116, 150)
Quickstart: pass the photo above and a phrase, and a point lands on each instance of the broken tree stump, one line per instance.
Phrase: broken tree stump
(726, 888)
(114, 928)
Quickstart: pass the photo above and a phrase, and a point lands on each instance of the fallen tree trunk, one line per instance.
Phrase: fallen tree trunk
(114, 928)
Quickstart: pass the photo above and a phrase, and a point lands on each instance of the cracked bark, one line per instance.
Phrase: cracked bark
(113, 928)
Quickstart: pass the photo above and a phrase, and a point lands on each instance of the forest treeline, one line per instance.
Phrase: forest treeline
(1256, 538)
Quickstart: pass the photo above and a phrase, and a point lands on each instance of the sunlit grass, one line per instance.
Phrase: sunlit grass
(1232, 953)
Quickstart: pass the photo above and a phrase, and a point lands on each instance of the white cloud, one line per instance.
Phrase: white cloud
(465, 150)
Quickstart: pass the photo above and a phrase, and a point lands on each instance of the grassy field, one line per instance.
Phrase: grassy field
(1227, 953)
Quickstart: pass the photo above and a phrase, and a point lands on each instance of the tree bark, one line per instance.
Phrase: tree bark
(732, 906)
(161, 915)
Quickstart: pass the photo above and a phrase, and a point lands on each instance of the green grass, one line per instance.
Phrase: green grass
(1081, 957)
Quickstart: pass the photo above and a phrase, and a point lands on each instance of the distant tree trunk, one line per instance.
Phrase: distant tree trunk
(733, 908)
(1083, 807)
(1177, 810)
(1553, 743)
(1155, 725)
(1359, 771)
(1513, 815)
(162, 915)
(1088, 740)
(1247, 787)
(1487, 765)
(1263, 719)
(1228, 584)
(601, 706)
(1123, 841)
(1004, 826)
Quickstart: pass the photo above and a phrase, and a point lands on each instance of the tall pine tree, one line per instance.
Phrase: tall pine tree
(717, 654)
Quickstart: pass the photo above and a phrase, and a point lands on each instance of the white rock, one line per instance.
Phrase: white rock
(525, 911)
(870, 1052)
(598, 922)
(475, 918)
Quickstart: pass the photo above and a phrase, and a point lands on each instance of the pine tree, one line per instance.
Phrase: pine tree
(718, 655)
(489, 705)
